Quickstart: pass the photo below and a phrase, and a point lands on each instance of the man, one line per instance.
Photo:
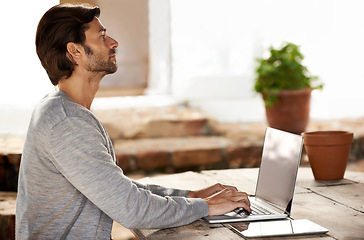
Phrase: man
(69, 184)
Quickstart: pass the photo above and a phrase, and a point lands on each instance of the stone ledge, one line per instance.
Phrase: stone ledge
(7, 215)
(181, 153)
(157, 122)
(237, 145)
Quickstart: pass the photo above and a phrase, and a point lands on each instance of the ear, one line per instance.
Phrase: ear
(73, 52)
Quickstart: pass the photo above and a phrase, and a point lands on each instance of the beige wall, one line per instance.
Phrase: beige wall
(127, 22)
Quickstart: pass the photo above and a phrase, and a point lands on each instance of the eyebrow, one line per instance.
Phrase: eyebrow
(102, 30)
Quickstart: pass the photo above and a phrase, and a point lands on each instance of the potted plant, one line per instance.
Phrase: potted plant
(286, 85)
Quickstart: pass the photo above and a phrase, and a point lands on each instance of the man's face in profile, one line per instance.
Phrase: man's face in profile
(100, 49)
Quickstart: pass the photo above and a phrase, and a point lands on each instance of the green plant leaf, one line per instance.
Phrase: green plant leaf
(283, 70)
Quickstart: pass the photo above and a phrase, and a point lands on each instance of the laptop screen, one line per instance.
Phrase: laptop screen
(278, 169)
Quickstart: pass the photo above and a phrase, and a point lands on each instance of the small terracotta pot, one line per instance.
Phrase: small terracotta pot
(292, 111)
(328, 153)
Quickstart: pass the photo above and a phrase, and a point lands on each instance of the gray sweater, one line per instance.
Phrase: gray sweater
(71, 188)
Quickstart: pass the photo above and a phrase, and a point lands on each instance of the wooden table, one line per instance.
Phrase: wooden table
(335, 205)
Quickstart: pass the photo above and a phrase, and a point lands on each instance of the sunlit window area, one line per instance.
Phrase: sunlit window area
(217, 43)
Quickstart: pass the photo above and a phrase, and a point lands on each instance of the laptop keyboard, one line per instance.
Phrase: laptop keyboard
(256, 210)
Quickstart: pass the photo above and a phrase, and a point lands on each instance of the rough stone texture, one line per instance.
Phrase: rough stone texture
(11, 145)
(174, 152)
(243, 156)
(151, 160)
(9, 169)
(10, 155)
(171, 121)
(7, 215)
(196, 157)
(173, 128)
(126, 161)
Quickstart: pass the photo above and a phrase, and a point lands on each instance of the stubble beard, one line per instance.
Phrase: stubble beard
(96, 63)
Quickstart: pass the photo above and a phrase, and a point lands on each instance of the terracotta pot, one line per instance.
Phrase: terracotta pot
(328, 153)
(291, 112)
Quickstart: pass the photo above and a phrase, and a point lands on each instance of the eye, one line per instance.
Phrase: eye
(103, 35)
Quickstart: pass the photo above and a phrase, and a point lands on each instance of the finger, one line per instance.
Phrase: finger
(223, 192)
(243, 204)
(244, 201)
(238, 197)
(247, 205)
(230, 187)
(217, 188)
(237, 194)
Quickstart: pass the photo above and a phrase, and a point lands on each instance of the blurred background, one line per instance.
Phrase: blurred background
(199, 52)
(183, 97)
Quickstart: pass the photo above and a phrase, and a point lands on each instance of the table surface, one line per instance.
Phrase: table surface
(335, 205)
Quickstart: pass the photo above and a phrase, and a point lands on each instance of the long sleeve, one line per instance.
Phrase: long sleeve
(79, 151)
(71, 188)
(162, 191)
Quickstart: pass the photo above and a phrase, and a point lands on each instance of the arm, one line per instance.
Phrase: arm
(220, 198)
(163, 191)
(79, 151)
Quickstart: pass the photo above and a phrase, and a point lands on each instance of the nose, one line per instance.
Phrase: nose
(113, 43)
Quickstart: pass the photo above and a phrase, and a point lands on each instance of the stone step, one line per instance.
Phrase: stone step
(7, 215)
(238, 145)
(193, 153)
(10, 155)
(154, 122)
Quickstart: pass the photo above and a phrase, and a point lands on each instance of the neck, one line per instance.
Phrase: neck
(81, 88)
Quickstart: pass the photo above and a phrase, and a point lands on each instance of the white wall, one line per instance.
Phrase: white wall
(207, 55)
(214, 44)
(23, 80)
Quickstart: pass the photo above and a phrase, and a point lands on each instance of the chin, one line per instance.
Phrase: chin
(113, 70)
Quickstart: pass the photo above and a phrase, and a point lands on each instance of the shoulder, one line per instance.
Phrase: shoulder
(56, 108)
(47, 113)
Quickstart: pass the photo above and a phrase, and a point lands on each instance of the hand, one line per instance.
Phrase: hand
(209, 191)
(227, 200)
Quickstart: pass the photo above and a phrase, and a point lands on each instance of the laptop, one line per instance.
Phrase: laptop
(276, 180)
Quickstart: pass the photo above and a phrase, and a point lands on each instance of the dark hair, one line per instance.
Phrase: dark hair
(60, 25)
